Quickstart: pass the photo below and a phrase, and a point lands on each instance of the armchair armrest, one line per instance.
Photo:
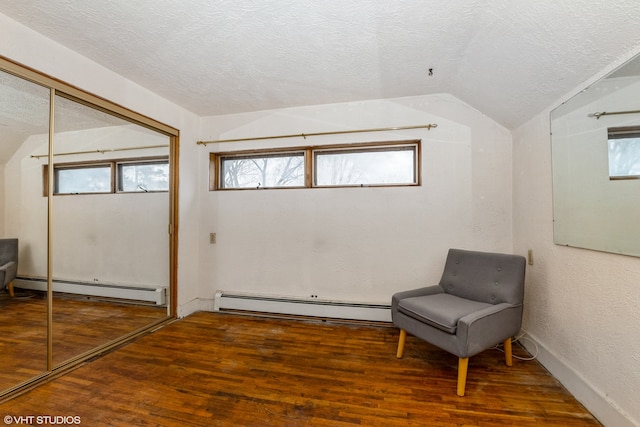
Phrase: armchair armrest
(8, 272)
(429, 290)
(485, 328)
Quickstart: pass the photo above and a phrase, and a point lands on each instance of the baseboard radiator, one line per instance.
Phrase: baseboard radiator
(306, 307)
(154, 295)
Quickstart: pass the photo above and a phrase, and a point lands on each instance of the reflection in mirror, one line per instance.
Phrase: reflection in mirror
(596, 165)
(24, 126)
(109, 228)
(90, 210)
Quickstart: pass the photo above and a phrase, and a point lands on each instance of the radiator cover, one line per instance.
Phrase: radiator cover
(156, 295)
(312, 307)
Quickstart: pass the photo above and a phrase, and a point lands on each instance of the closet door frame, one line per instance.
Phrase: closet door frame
(60, 88)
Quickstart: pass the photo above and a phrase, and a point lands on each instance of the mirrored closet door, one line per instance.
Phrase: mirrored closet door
(109, 227)
(24, 127)
(88, 204)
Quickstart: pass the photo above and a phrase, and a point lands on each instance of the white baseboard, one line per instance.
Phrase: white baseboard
(191, 307)
(606, 411)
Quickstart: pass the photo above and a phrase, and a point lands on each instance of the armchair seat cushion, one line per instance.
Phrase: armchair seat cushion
(442, 311)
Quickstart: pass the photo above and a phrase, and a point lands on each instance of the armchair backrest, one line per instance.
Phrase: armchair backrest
(484, 276)
(8, 250)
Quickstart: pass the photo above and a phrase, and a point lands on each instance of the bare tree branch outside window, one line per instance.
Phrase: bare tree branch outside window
(366, 167)
(378, 164)
(264, 172)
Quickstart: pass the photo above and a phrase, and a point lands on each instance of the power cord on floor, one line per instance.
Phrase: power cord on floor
(521, 337)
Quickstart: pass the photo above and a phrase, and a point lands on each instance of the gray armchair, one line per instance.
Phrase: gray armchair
(8, 263)
(476, 305)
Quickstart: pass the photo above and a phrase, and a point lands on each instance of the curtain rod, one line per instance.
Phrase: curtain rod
(611, 113)
(305, 135)
(107, 150)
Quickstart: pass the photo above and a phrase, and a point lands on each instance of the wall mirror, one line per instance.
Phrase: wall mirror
(595, 141)
(87, 201)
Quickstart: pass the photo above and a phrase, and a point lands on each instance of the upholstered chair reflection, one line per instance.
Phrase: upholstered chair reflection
(8, 264)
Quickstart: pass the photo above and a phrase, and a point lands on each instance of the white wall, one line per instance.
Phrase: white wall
(25, 216)
(2, 204)
(357, 244)
(581, 306)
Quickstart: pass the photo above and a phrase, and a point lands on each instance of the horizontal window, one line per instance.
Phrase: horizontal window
(262, 171)
(366, 166)
(355, 165)
(82, 179)
(624, 152)
(130, 175)
(143, 176)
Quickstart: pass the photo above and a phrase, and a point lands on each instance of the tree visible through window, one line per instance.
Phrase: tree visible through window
(395, 165)
(264, 171)
(376, 164)
(147, 176)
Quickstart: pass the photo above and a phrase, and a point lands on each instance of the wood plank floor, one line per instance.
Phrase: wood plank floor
(80, 324)
(213, 369)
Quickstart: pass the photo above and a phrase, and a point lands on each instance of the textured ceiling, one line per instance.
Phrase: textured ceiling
(509, 59)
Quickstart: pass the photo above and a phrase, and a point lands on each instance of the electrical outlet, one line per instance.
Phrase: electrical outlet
(530, 256)
(212, 238)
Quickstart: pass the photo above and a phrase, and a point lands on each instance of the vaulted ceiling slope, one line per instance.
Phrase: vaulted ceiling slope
(510, 59)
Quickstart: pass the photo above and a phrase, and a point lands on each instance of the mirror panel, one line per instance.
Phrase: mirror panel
(110, 228)
(595, 188)
(97, 261)
(24, 127)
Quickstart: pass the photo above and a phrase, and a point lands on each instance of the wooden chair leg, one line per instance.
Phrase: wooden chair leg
(463, 365)
(10, 287)
(403, 337)
(508, 352)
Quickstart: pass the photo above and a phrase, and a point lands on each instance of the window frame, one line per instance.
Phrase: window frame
(260, 155)
(615, 133)
(114, 178)
(105, 165)
(138, 162)
(310, 151)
